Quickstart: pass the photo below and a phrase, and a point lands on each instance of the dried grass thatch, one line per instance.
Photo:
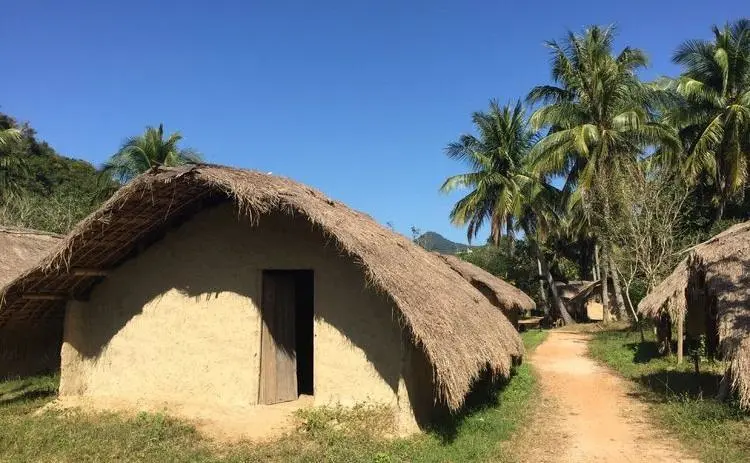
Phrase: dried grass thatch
(572, 289)
(714, 278)
(460, 332)
(21, 250)
(505, 296)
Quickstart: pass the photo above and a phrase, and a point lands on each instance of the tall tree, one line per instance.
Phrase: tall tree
(713, 112)
(599, 118)
(11, 159)
(496, 157)
(501, 191)
(9, 135)
(141, 153)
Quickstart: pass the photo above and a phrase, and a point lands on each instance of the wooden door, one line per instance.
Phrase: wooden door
(278, 359)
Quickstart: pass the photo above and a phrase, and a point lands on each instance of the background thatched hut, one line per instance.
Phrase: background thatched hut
(710, 288)
(26, 348)
(583, 298)
(184, 285)
(511, 300)
(21, 250)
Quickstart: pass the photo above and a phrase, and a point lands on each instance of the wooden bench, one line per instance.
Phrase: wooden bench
(532, 322)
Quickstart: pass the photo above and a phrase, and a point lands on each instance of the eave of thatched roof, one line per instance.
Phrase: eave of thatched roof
(21, 249)
(668, 295)
(585, 290)
(504, 295)
(723, 266)
(460, 332)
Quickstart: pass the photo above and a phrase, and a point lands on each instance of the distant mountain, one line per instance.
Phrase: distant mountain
(433, 241)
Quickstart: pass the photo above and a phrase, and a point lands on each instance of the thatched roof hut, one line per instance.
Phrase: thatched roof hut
(711, 288)
(22, 248)
(449, 322)
(511, 300)
(572, 289)
(24, 351)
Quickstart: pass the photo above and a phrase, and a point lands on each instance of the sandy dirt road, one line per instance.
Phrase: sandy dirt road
(587, 413)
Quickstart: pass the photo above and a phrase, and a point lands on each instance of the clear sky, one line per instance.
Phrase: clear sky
(357, 98)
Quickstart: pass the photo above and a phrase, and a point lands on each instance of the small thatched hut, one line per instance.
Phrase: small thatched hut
(212, 285)
(583, 299)
(710, 289)
(24, 351)
(511, 300)
(22, 249)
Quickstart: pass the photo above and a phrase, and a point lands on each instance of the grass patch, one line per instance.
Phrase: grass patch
(532, 338)
(331, 434)
(683, 401)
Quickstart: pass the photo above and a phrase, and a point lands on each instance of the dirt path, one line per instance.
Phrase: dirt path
(586, 412)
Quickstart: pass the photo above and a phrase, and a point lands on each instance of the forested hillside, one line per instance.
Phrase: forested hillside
(43, 189)
(433, 241)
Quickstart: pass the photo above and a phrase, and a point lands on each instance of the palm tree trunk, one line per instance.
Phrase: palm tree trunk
(719, 214)
(597, 270)
(542, 289)
(631, 307)
(605, 290)
(621, 311)
(559, 306)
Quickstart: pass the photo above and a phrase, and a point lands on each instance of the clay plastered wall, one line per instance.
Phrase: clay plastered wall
(180, 323)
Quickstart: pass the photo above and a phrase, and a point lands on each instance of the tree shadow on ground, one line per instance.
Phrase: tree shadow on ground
(684, 384)
(644, 352)
(484, 394)
(28, 390)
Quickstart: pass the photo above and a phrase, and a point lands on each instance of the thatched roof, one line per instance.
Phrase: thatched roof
(669, 294)
(722, 266)
(460, 332)
(502, 295)
(574, 289)
(21, 249)
(584, 290)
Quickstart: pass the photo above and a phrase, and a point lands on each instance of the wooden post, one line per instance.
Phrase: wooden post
(680, 329)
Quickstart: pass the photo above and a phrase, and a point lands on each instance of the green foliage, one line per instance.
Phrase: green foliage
(44, 190)
(497, 176)
(712, 111)
(532, 339)
(518, 266)
(141, 153)
(598, 115)
(680, 399)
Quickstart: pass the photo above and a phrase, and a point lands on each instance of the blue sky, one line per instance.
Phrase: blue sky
(357, 98)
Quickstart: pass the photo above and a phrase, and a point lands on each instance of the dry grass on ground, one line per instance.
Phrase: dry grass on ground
(324, 434)
(683, 401)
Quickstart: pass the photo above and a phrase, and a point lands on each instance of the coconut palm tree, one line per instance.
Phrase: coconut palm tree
(9, 135)
(501, 191)
(11, 162)
(141, 153)
(713, 113)
(537, 214)
(598, 115)
(599, 120)
(495, 158)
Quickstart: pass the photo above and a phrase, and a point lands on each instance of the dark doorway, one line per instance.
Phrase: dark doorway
(304, 329)
(286, 357)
